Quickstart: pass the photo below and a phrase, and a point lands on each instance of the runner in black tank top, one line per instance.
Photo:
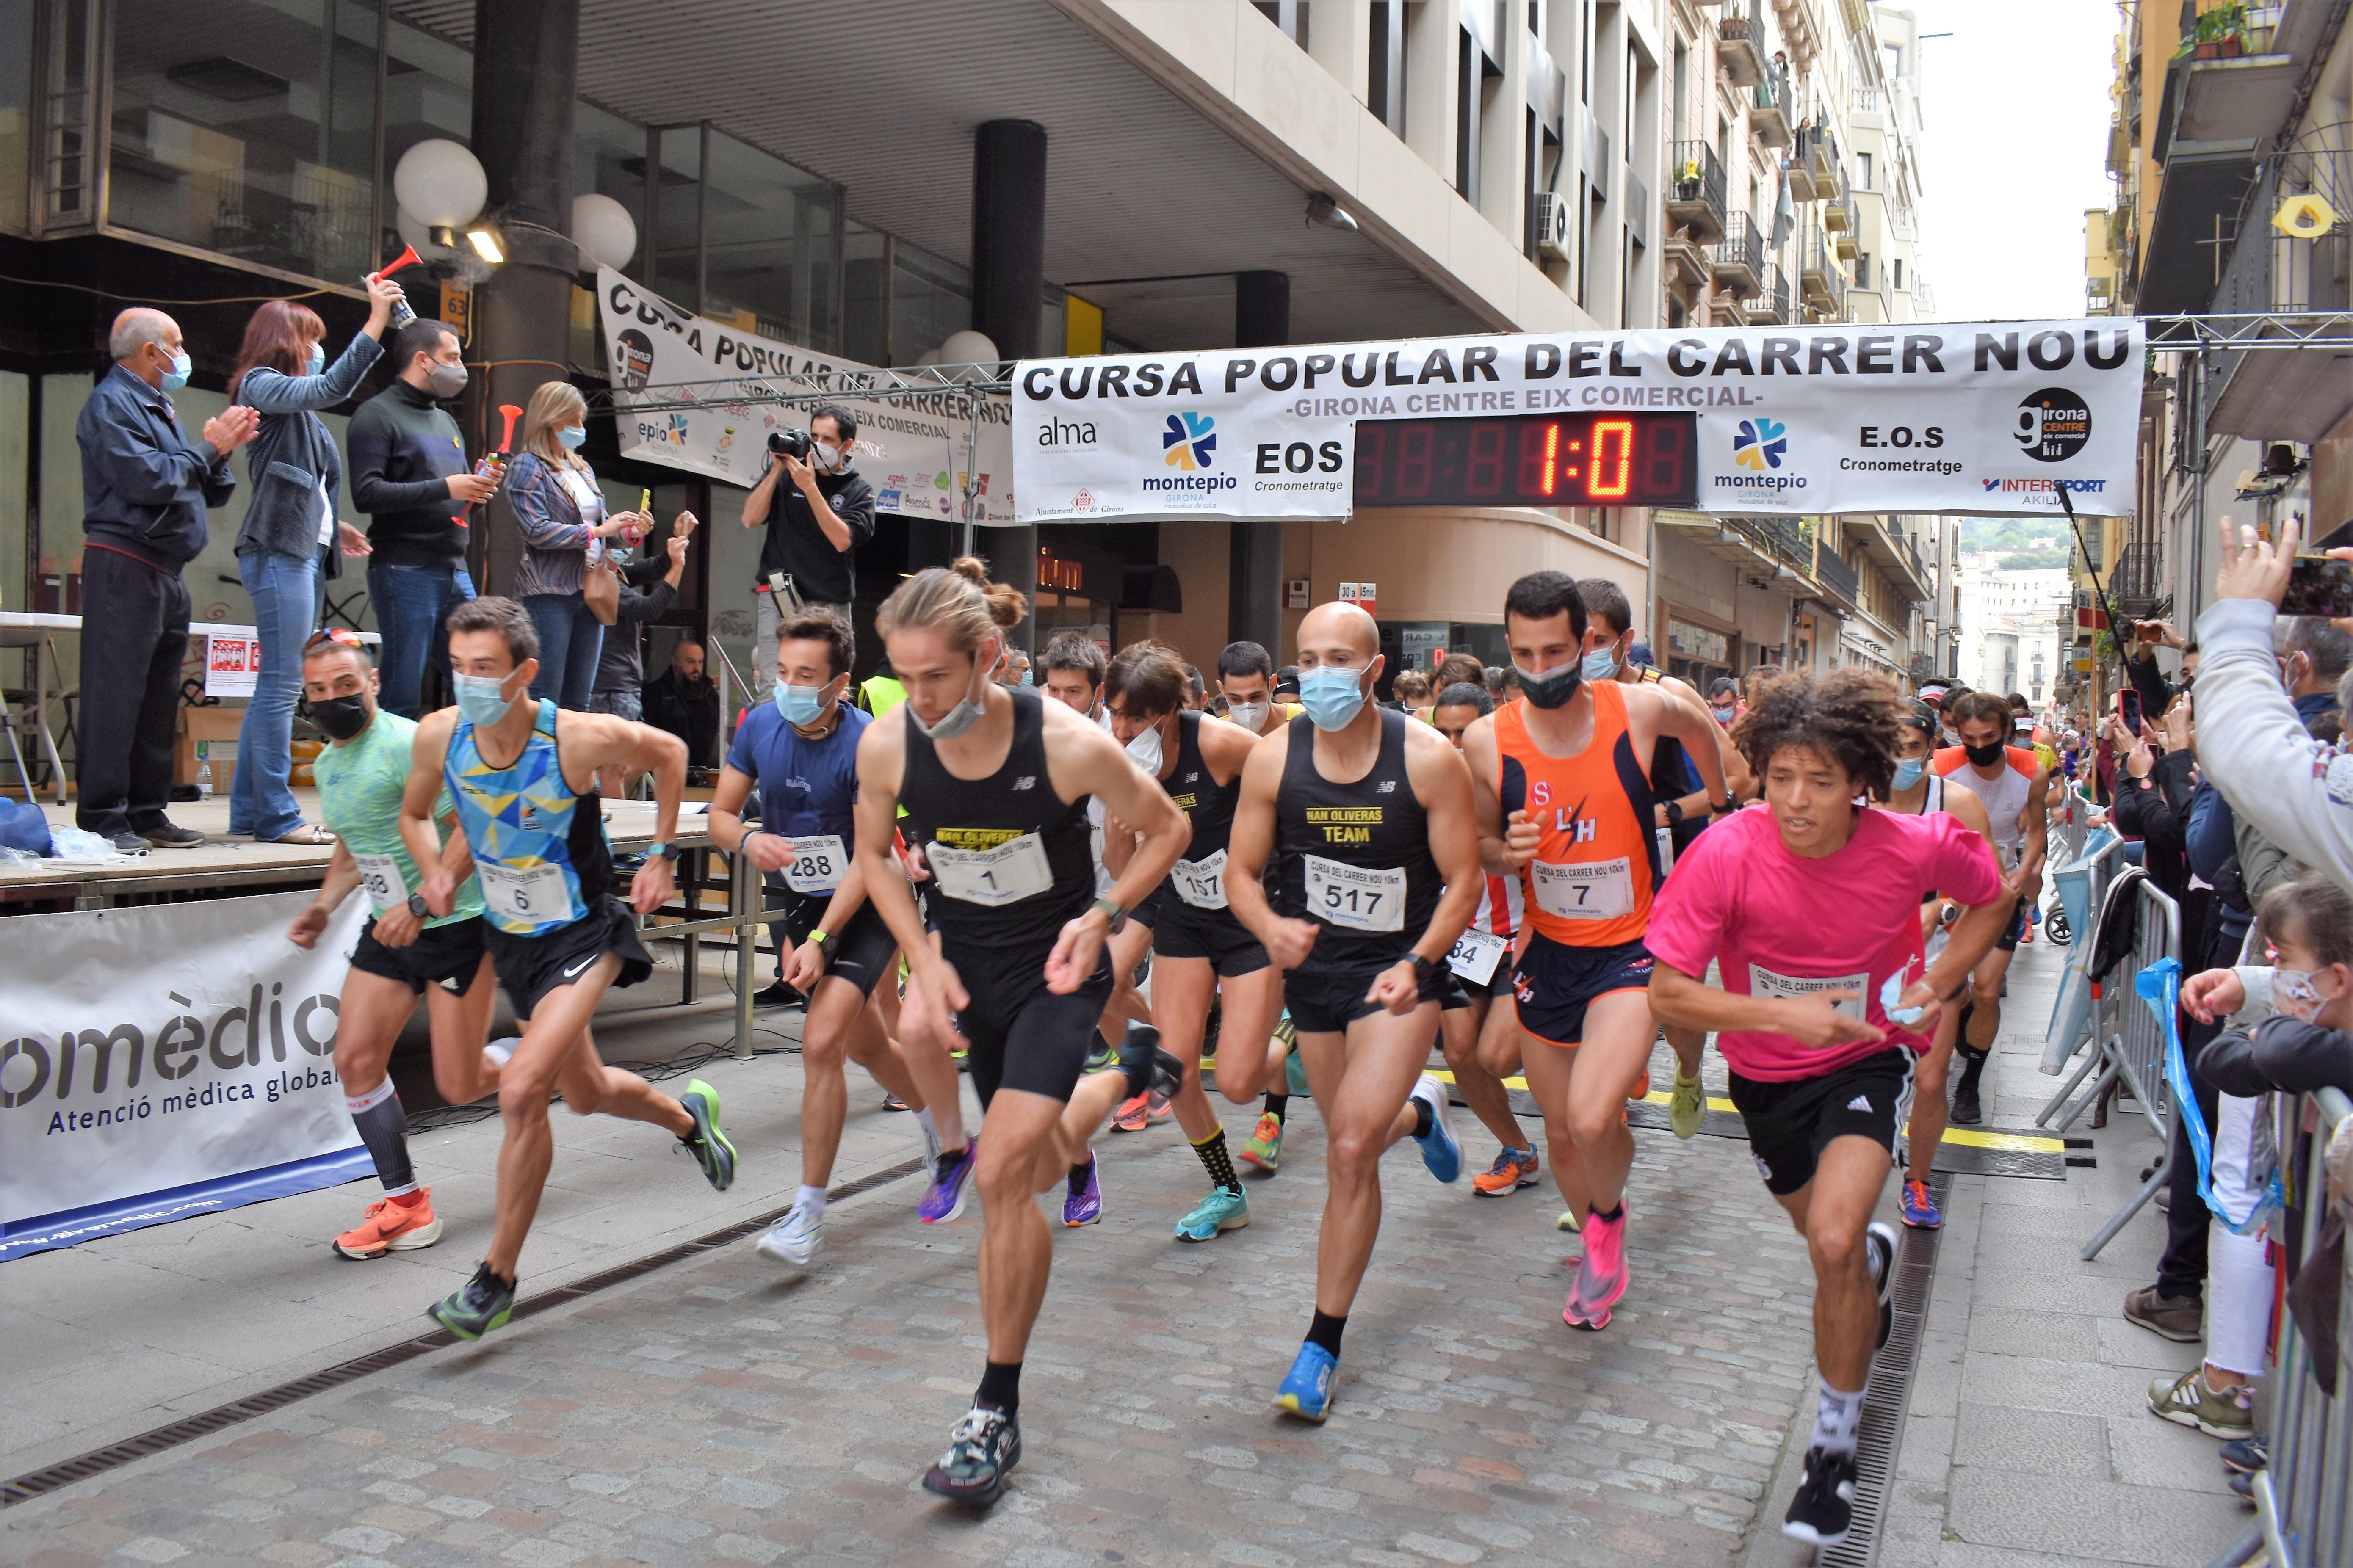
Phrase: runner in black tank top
(995, 782)
(1201, 948)
(1369, 819)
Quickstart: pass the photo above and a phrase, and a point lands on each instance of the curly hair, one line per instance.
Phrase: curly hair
(1849, 716)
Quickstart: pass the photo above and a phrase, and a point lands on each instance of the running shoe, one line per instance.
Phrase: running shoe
(1307, 1392)
(1264, 1147)
(389, 1227)
(1966, 1112)
(1225, 1208)
(1920, 1210)
(962, 1056)
(1099, 1054)
(2245, 1455)
(1601, 1273)
(1155, 1105)
(1879, 1241)
(1439, 1151)
(707, 1143)
(943, 1201)
(1567, 1222)
(776, 994)
(1688, 1109)
(2187, 1401)
(795, 1239)
(1133, 1115)
(1082, 1204)
(892, 1102)
(981, 1448)
(1824, 1507)
(1163, 1073)
(485, 1303)
(1513, 1169)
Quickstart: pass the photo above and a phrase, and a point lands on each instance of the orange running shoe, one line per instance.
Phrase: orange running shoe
(390, 1228)
(1132, 1114)
(1513, 1169)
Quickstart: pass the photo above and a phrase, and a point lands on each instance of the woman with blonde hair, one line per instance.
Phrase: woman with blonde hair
(564, 526)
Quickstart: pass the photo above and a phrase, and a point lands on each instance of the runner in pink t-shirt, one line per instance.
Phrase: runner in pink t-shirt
(1811, 906)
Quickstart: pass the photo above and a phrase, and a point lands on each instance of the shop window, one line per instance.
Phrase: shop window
(608, 159)
(772, 238)
(253, 135)
(15, 111)
(931, 298)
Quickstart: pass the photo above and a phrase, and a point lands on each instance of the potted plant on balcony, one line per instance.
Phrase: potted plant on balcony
(1687, 181)
(2220, 34)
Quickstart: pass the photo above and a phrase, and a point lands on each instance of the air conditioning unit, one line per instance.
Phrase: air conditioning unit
(1552, 225)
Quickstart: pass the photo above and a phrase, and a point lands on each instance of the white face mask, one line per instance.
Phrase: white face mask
(1144, 751)
(1248, 715)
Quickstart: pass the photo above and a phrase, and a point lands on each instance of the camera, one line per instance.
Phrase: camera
(795, 444)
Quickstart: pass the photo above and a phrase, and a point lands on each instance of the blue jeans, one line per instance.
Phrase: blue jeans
(412, 608)
(571, 638)
(285, 592)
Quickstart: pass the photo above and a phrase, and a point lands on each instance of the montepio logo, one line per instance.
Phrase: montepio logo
(1189, 441)
(1760, 444)
(676, 433)
(2053, 425)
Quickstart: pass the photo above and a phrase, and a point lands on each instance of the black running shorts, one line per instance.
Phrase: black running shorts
(1021, 1035)
(1792, 1123)
(862, 953)
(2014, 933)
(1180, 931)
(449, 956)
(529, 967)
(1325, 1002)
(1555, 983)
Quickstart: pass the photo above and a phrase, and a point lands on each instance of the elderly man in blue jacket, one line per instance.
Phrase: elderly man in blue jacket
(145, 487)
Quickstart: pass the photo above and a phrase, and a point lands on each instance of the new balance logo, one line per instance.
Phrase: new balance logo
(1025, 781)
(1860, 1102)
(1387, 786)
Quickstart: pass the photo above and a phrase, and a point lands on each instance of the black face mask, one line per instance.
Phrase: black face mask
(1553, 689)
(340, 717)
(1986, 756)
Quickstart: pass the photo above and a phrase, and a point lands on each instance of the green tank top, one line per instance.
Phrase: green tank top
(360, 786)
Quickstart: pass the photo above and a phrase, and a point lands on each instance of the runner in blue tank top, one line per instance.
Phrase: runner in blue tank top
(557, 937)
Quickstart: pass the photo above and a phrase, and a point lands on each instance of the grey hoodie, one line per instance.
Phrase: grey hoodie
(2297, 791)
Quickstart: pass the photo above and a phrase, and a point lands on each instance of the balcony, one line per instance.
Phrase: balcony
(1838, 208)
(1738, 266)
(1771, 551)
(1768, 109)
(1822, 160)
(1771, 306)
(1821, 282)
(1740, 44)
(2295, 395)
(2137, 582)
(1833, 573)
(1695, 192)
(1801, 173)
(1686, 259)
(1892, 552)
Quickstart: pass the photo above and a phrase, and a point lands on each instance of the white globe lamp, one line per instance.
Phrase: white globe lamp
(970, 348)
(416, 234)
(603, 229)
(440, 185)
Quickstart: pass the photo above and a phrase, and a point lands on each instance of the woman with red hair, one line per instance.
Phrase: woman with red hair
(287, 548)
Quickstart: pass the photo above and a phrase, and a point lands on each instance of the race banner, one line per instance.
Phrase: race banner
(913, 448)
(1986, 418)
(167, 1061)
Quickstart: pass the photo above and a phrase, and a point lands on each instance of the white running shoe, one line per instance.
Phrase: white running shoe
(795, 1239)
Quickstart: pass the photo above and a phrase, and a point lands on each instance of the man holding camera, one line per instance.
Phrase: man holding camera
(818, 512)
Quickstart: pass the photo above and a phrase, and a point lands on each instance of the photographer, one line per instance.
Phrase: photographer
(825, 513)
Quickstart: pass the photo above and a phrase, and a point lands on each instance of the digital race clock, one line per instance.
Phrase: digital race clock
(1529, 459)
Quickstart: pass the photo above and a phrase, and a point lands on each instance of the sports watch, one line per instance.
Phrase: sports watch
(419, 907)
(666, 850)
(1674, 810)
(1115, 911)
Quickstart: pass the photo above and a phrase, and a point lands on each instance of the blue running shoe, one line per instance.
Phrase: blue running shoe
(1224, 1209)
(1307, 1392)
(1439, 1151)
(1920, 1211)
(944, 1200)
(1083, 1204)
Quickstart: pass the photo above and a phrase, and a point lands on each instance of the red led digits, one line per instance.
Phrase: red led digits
(1613, 479)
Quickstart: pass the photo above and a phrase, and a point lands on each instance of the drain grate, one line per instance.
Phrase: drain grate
(98, 1461)
(1881, 1434)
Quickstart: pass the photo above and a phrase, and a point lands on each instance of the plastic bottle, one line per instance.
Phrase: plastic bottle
(204, 777)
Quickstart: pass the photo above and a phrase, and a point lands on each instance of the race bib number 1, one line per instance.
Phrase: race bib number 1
(1764, 982)
(1475, 955)
(1584, 889)
(1361, 897)
(818, 865)
(534, 896)
(380, 875)
(1011, 872)
(1201, 883)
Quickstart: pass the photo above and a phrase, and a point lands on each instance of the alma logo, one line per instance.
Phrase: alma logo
(1760, 444)
(1189, 441)
(1067, 433)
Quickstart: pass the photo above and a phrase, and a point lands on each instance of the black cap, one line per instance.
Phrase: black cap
(1286, 679)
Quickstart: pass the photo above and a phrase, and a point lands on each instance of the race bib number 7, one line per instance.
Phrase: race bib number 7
(1361, 897)
(1584, 889)
(1013, 870)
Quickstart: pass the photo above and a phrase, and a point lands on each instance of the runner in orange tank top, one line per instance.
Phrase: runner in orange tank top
(1565, 803)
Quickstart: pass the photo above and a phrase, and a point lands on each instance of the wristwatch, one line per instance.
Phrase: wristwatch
(1424, 971)
(1674, 810)
(666, 850)
(817, 939)
(419, 907)
(1717, 808)
(1115, 911)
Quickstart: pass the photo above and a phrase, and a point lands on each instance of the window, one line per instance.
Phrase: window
(1863, 171)
(1899, 274)
(15, 111)
(1862, 269)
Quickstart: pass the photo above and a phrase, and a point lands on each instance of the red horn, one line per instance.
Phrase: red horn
(506, 441)
(408, 257)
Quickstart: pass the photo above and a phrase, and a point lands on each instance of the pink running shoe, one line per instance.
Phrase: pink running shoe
(1600, 1274)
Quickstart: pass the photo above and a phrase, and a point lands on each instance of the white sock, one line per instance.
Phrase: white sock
(923, 1120)
(1836, 1418)
(499, 1051)
(812, 1200)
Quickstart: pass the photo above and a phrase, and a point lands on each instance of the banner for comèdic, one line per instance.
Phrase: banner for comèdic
(1979, 418)
(167, 1061)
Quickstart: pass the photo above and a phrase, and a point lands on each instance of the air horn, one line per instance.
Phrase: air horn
(492, 466)
(401, 313)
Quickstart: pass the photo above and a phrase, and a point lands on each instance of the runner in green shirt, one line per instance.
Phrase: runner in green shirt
(402, 952)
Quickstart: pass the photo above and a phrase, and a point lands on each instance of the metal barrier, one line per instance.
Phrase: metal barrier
(2300, 1498)
(2076, 1018)
(2131, 1044)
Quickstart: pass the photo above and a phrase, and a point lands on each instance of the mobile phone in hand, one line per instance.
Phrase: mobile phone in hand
(2319, 586)
(2129, 708)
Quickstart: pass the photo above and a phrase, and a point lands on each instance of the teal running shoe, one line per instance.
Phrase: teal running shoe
(1225, 1208)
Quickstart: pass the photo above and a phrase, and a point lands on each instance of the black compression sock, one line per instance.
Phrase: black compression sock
(1278, 1105)
(1422, 1119)
(1325, 1330)
(1616, 1212)
(385, 1129)
(1973, 1062)
(1217, 1160)
(1000, 1387)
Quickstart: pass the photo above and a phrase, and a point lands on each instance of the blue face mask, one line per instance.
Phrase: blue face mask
(1908, 771)
(1332, 695)
(318, 359)
(177, 376)
(482, 699)
(573, 437)
(1601, 664)
(800, 704)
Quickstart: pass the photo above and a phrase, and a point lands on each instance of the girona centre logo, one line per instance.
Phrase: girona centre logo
(1189, 441)
(1760, 444)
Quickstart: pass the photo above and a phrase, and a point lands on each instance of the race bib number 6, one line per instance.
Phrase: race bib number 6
(1361, 897)
(1013, 870)
(535, 895)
